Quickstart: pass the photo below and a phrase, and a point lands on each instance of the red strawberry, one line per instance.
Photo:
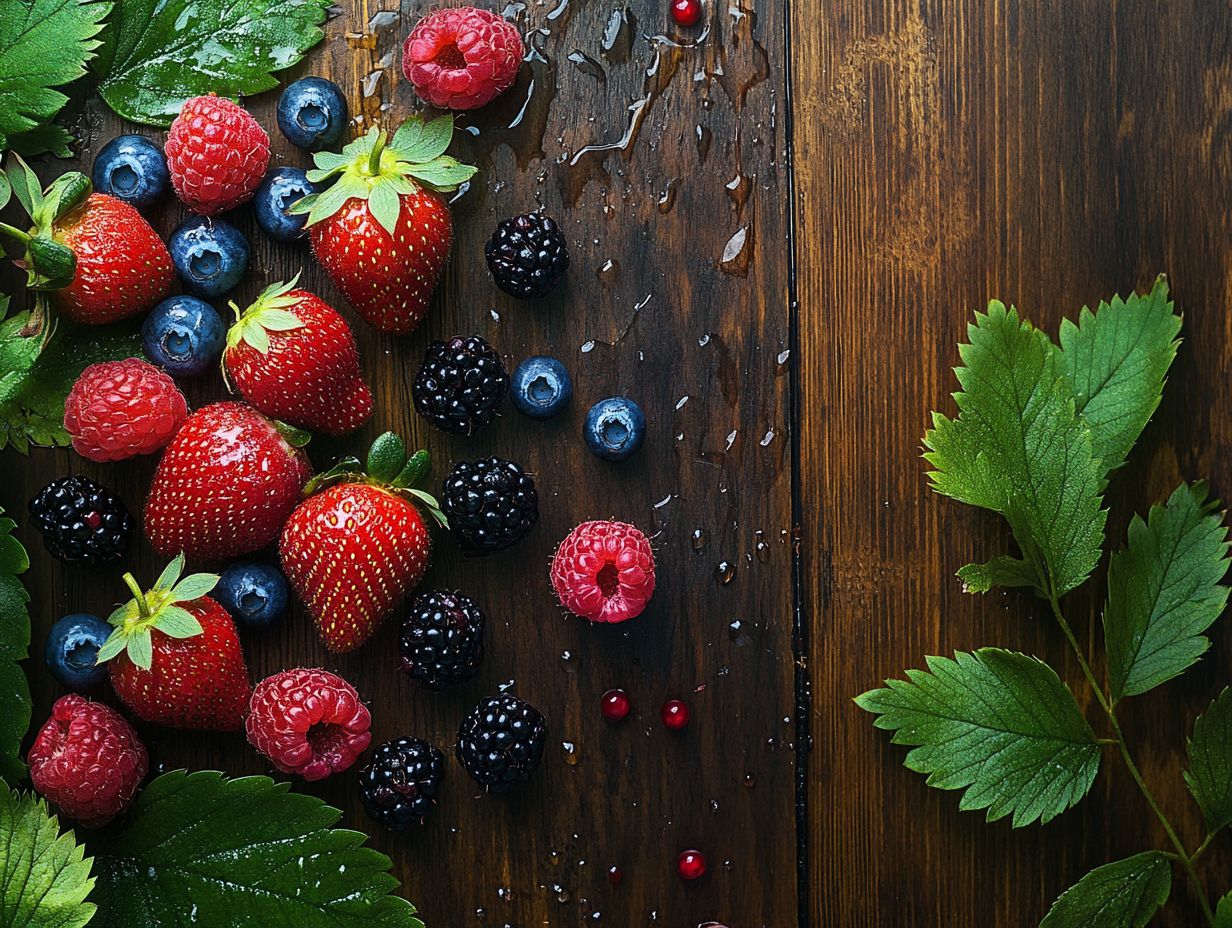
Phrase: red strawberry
(294, 358)
(225, 484)
(174, 656)
(354, 550)
(97, 254)
(382, 230)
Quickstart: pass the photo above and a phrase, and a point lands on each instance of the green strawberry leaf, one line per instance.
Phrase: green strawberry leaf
(443, 174)
(417, 141)
(243, 852)
(44, 44)
(14, 648)
(6, 190)
(1164, 591)
(416, 470)
(1123, 894)
(155, 609)
(998, 724)
(164, 52)
(44, 875)
(1209, 776)
(386, 457)
(1223, 912)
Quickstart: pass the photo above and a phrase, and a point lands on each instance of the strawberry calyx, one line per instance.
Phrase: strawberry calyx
(388, 467)
(270, 312)
(378, 169)
(155, 609)
(49, 264)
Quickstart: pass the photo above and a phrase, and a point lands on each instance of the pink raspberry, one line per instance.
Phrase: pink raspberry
(217, 154)
(119, 409)
(88, 760)
(604, 571)
(461, 58)
(309, 722)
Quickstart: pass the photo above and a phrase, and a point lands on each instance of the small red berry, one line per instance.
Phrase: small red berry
(675, 714)
(615, 705)
(691, 864)
(686, 12)
(120, 409)
(615, 875)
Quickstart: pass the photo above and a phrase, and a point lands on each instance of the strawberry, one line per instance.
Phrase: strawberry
(382, 231)
(97, 255)
(174, 656)
(225, 484)
(293, 357)
(355, 549)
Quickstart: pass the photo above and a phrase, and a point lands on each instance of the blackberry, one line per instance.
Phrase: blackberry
(398, 786)
(501, 742)
(527, 255)
(460, 384)
(442, 639)
(490, 504)
(81, 521)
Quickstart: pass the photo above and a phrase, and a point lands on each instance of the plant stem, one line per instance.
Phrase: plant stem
(1187, 860)
(1206, 842)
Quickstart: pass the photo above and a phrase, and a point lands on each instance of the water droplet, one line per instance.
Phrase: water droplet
(663, 502)
(667, 199)
(608, 271)
(507, 686)
(767, 438)
(735, 260)
(505, 893)
(731, 440)
(704, 137)
(749, 780)
(699, 539)
(571, 755)
(495, 315)
(587, 65)
(371, 82)
(725, 572)
(588, 346)
(680, 402)
(714, 805)
(562, 894)
(703, 341)
(618, 35)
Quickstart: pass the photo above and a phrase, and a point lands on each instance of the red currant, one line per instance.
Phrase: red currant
(675, 714)
(615, 705)
(686, 12)
(691, 864)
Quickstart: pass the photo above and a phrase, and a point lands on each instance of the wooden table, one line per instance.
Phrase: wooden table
(780, 225)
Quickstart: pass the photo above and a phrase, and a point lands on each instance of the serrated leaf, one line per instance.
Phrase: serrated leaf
(140, 648)
(279, 320)
(44, 44)
(50, 138)
(44, 875)
(1000, 571)
(385, 206)
(1209, 776)
(417, 141)
(194, 586)
(178, 623)
(256, 337)
(1116, 360)
(245, 852)
(170, 573)
(442, 173)
(1223, 912)
(1122, 894)
(14, 647)
(998, 724)
(167, 51)
(1018, 448)
(1164, 591)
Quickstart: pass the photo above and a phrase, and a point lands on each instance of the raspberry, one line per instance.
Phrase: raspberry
(604, 571)
(217, 154)
(309, 722)
(88, 760)
(459, 59)
(119, 409)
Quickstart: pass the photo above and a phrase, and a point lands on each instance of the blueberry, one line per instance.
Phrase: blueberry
(281, 188)
(615, 428)
(132, 168)
(209, 255)
(72, 645)
(183, 336)
(254, 593)
(541, 387)
(312, 113)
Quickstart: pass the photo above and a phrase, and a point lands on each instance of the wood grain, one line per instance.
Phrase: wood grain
(688, 307)
(949, 151)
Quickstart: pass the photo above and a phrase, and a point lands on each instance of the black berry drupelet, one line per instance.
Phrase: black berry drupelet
(81, 521)
(527, 255)
(398, 786)
(442, 639)
(490, 504)
(501, 742)
(460, 384)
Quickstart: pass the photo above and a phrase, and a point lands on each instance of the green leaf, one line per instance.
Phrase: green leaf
(140, 648)
(171, 573)
(1223, 912)
(44, 875)
(386, 457)
(416, 471)
(51, 138)
(44, 44)
(1123, 894)
(14, 648)
(1116, 360)
(6, 190)
(194, 586)
(385, 206)
(1164, 591)
(444, 173)
(1018, 448)
(1000, 725)
(178, 623)
(1209, 776)
(247, 853)
(32, 400)
(166, 51)
(417, 141)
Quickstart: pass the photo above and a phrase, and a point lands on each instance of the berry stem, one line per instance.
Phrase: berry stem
(374, 159)
(143, 607)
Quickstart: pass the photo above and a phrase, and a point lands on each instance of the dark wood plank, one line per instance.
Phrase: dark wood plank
(950, 151)
(668, 319)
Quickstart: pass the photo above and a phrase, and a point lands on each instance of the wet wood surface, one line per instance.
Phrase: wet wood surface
(1050, 155)
(660, 151)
